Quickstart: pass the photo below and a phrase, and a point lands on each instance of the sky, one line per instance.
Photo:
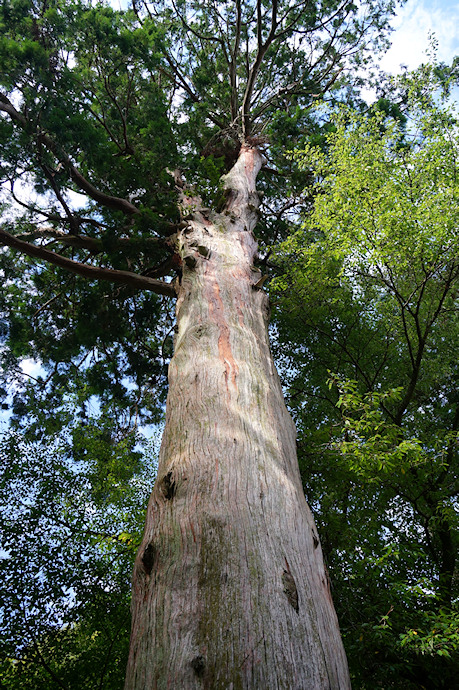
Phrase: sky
(412, 25)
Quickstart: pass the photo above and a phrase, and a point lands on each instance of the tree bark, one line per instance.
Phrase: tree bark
(229, 589)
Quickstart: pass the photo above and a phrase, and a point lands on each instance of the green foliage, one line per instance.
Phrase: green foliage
(119, 99)
(372, 446)
(70, 518)
(368, 289)
(85, 76)
(438, 634)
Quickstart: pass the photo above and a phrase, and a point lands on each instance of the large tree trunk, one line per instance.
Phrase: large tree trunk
(230, 589)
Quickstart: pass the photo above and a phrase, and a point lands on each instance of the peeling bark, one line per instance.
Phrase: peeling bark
(229, 587)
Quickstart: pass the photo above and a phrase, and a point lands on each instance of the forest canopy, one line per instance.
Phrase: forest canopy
(107, 118)
(369, 287)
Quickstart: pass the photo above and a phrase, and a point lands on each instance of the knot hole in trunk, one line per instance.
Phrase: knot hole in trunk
(148, 558)
(290, 590)
(168, 486)
(198, 664)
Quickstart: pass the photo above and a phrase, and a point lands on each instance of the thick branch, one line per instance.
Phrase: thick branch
(233, 64)
(92, 244)
(262, 49)
(92, 272)
(105, 199)
(81, 182)
(239, 185)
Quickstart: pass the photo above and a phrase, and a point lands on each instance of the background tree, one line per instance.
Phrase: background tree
(367, 317)
(71, 509)
(106, 104)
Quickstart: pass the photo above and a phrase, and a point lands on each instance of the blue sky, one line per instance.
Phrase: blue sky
(413, 23)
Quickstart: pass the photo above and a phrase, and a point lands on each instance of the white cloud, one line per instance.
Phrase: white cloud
(413, 24)
(31, 368)
(77, 200)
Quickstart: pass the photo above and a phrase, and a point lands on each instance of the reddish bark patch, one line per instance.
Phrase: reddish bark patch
(216, 310)
(193, 532)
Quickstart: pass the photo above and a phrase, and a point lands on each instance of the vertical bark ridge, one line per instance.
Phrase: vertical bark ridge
(237, 596)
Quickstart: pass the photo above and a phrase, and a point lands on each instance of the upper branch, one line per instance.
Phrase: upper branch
(86, 270)
(92, 244)
(261, 52)
(233, 63)
(81, 182)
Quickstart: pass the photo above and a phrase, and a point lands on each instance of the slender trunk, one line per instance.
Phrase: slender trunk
(229, 588)
(447, 562)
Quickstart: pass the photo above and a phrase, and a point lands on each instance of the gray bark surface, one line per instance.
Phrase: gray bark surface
(229, 588)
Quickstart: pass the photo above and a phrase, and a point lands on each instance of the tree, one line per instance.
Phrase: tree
(368, 292)
(229, 583)
(68, 533)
